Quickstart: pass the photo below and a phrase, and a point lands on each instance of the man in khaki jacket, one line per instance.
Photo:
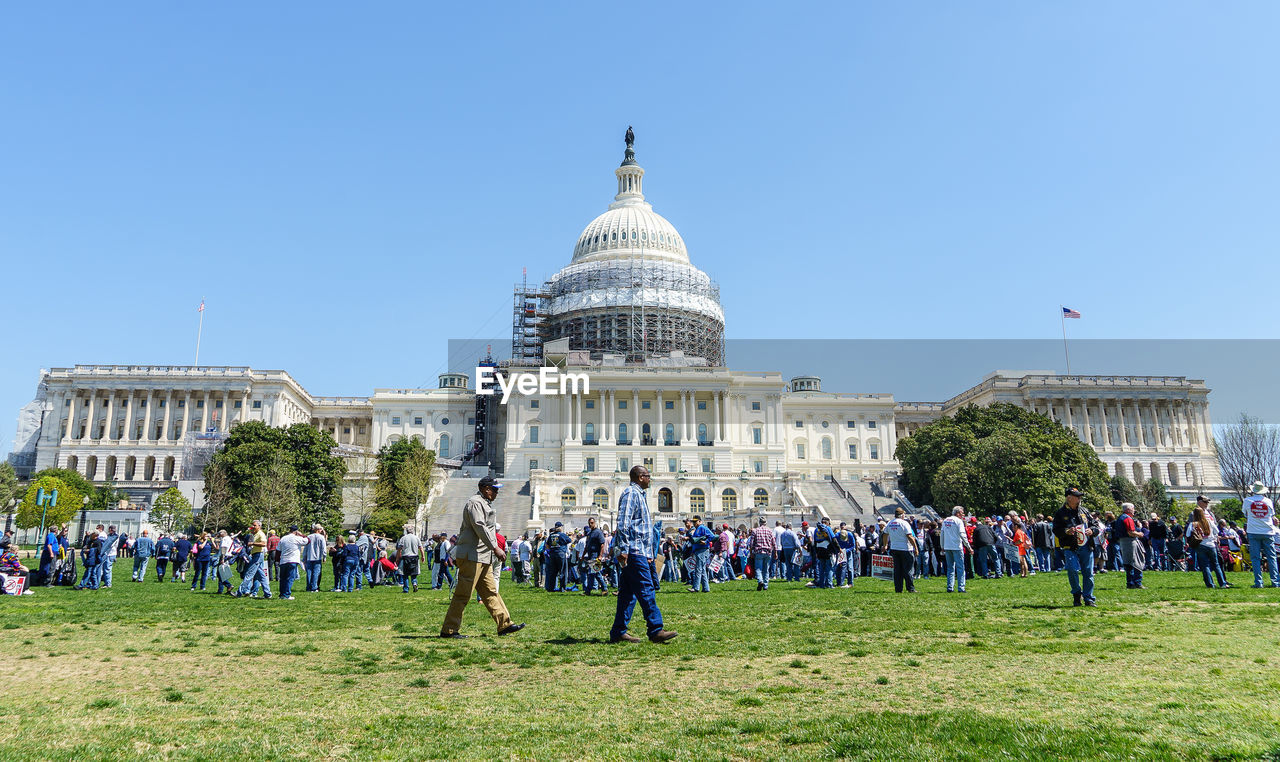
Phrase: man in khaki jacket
(475, 554)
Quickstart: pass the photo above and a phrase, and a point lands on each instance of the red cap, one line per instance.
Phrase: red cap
(804, 523)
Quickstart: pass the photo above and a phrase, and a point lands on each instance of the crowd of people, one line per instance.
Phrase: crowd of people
(586, 560)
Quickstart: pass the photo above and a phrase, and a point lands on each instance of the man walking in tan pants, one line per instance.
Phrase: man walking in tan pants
(476, 552)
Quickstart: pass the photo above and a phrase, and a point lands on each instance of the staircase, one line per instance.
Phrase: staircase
(833, 499)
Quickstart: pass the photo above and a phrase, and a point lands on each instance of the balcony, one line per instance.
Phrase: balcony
(592, 442)
(625, 442)
(647, 441)
(705, 443)
(671, 442)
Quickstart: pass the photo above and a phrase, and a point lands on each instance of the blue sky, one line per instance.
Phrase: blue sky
(350, 187)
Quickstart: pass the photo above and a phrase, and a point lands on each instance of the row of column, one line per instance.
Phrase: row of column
(686, 427)
(1120, 423)
(110, 426)
(336, 424)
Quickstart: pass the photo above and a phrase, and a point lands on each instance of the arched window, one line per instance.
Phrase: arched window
(442, 450)
(702, 432)
(729, 499)
(669, 435)
(697, 500)
(73, 463)
(1173, 475)
(826, 448)
(622, 432)
(600, 499)
(1119, 469)
(1137, 473)
(1191, 474)
(761, 497)
(591, 432)
(568, 498)
(646, 430)
(1155, 471)
(91, 467)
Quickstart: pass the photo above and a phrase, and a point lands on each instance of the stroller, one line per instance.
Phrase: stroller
(64, 571)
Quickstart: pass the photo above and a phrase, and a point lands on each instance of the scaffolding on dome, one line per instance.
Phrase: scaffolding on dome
(528, 322)
(636, 307)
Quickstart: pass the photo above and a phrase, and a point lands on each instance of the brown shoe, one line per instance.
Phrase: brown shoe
(662, 636)
(625, 637)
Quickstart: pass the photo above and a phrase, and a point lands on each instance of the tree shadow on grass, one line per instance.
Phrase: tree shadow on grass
(569, 640)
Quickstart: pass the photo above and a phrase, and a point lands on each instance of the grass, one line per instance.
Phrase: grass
(1008, 670)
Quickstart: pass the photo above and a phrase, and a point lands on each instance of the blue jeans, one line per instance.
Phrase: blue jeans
(762, 562)
(844, 570)
(595, 580)
(1207, 561)
(1159, 561)
(554, 573)
(1044, 559)
(1080, 563)
(823, 573)
(440, 572)
(91, 575)
(698, 577)
(46, 568)
(140, 567)
(313, 575)
(105, 574)
(201, 574)
(636, 583)
(955, 570)
(980, 557)
(1262, 548)
(350, 577)
(255, 576)
(287, 574)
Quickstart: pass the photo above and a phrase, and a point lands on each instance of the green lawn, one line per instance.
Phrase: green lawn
(1010, 670)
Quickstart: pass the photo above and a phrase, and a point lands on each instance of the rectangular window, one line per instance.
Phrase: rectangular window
(624, 465)
(239, 404)
(668, 405)
(799, 424)
(871, 424)
(362, 430)
(471, 421)
(622, 404)
(417, 420)
(591, 464)
(533, 465)
(67, 403)
(851, 424)
(702, 405)
(755, 405)
(218, 404)
(706, 465)
(591, 404)
(757, 435)
(533, 435)
(162, 403)
(395, 420)
(758, 466)
(533, 405)
(182, 403)
(257, 404)
(875, 451)
(346, 429)
(644, 404)
(800, 450)
(671, 465)
(853, 452)
(199, 404)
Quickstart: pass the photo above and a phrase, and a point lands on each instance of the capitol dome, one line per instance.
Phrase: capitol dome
(630, 287)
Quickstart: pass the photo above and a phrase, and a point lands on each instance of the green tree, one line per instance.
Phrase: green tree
(1125, 491)
(999, 458)
(69, 501)
(1154, 496)
(254, 450)
(216, 513)
(8, 484)
(404, 481)
(1231, 509)
(171, 512)
(275, 494)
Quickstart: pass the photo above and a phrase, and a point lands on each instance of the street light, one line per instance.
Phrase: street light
(84, 516)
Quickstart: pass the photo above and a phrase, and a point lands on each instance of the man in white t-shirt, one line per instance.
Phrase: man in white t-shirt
(409, 556)
(1260, 513)
(955, 542)
(900, 539)
(290, 548)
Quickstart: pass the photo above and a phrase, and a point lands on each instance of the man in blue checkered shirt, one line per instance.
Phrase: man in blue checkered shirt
(639, 577)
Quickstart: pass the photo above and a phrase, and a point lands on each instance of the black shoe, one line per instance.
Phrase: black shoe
(1078, 599)
(1091, 603)
(511, 629)
(454, 635)
(759, 586)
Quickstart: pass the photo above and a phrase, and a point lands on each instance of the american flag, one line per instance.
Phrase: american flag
(1067, 312)
(201, 308)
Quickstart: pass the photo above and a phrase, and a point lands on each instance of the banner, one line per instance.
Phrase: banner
(882, 567)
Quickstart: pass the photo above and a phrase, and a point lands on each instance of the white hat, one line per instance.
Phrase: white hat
(1259, 487)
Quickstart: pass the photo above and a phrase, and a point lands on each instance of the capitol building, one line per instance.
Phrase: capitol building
(634, 314)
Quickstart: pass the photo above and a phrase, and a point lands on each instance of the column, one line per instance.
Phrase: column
(1106, 429)
(1066, 406)
(1088, 428)
(578, 418)
(72, 417)
(1124, 426)
(659, 434)
(715, 418)
(1180, 412)
(204, 413)
(684, 417)
(635, 404)
(606, 415)
(88, 423)
(168, 417)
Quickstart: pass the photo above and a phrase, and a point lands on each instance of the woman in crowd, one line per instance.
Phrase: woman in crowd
(1023, 543)
(10, 566)
(203, 553)
(1202, 535)
(351, 556)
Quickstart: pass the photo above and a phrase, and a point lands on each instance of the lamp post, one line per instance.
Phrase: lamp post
(45, 500)
(84, 516)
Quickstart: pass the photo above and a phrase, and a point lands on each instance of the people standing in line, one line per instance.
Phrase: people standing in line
(1158, 536)
(1077, 534)
(557, 556)
(900, 540)
(476, 551)
(290, 548)
(144, 548)
(986, 561)
(314, 555)
(1042, 541)
(1260, 514)
(636, 551)
(764, 545)
(409, 555)
(954, 544)
(255, 575)
(1022, 542)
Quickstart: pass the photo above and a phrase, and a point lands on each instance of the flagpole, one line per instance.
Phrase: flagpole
(200, 330)
(1062, 317)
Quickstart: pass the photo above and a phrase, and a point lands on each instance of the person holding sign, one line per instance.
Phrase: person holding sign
(1073, 526)
(900, 539)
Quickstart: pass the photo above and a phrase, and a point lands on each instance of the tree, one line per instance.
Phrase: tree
(69, 501)
(1231, 509)
(364, 489)
(1248, 451)
(276, 495)
(1154, 496)
(1125, 491)
(217, 499)
(254, 449)
(997, 459)
(171, 512)
(8, 484)
(404, 482)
